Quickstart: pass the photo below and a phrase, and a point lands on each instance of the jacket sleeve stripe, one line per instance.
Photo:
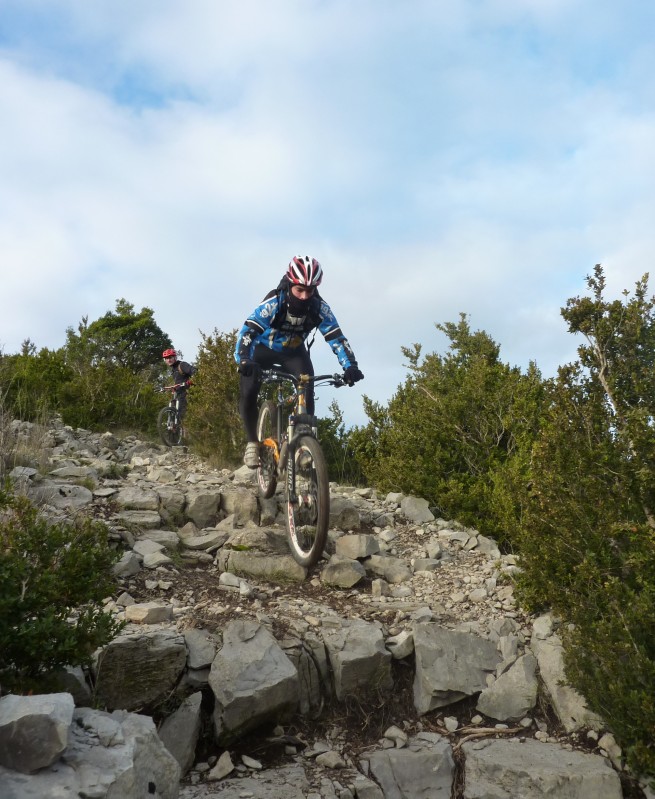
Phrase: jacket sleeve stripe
(333, 334)
(253, 325)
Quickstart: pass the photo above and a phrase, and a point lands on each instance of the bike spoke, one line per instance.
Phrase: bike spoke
(299, 454)
(169, 427)
(269, 453)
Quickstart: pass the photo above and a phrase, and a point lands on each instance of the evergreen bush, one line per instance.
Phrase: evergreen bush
(110, 397)
(53, 577)
(452, 431)
(213, 419)
(32, 382)
(340, 458)
(587, 540)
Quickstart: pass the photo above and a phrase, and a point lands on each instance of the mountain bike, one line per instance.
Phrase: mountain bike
(169, 423)
(292, 451)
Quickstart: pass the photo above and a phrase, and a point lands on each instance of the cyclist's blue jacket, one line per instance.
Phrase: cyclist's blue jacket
(272, 325)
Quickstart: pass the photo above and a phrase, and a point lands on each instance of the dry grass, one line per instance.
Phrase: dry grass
(22, 444)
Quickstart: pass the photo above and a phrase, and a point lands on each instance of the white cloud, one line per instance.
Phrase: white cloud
(436, 158)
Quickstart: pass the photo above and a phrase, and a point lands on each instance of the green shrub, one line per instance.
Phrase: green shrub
(52, 580)
(339, 454)
(213, 418)
(610, 653)
(451, 432)
(32, 382)
(588, 554)
(587, 540)
(116, 471)
(101, 378)
(110, 397)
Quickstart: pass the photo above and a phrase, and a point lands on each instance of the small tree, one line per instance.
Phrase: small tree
(588, 541)
(452, 427)
(620, 357)
(32, 383)
(52, 580)
(119, 338)
(113, 362)
(213, 416)
(110, 397)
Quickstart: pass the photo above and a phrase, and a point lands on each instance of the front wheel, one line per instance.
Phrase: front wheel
(269, 455)
(169, 427)
(308, 501)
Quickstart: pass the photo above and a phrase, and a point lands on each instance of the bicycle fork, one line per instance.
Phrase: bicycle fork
(291, 478)
(304, 498)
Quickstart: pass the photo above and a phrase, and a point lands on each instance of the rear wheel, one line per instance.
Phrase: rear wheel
(308, 502)
(168, 424)
(267, 435)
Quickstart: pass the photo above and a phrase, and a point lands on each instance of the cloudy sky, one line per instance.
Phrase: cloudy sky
(437, 157)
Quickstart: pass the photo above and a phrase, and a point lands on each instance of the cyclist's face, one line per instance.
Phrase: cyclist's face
(303, 292)
(170, 359)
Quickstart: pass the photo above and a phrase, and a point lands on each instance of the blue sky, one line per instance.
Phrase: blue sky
(436, 157)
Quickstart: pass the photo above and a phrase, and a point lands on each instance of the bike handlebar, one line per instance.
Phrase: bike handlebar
(171, 388)
(278, 376)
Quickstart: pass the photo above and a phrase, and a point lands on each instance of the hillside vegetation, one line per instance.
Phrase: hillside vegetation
(561, 471)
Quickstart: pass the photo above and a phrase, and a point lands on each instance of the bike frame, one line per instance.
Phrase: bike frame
(307, 487)
(173, 402)
(173, 420)
(294, 427)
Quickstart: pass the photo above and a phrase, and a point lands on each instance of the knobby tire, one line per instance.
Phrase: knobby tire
(267, 432)
(168, 424)
(308, 513)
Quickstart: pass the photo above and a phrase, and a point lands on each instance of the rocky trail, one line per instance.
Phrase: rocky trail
(414, 671)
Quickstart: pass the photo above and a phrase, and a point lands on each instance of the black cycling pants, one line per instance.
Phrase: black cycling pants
(296, 361)
(181, 402)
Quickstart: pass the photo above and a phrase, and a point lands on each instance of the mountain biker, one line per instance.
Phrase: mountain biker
(275, 333)
(181, 373)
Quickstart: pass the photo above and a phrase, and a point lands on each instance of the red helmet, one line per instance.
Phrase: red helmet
(304, 271)
(169, 354)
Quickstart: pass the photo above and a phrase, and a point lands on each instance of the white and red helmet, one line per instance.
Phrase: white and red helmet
(169, 354)
(304, 271)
